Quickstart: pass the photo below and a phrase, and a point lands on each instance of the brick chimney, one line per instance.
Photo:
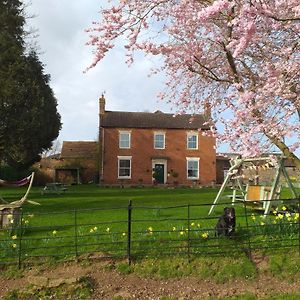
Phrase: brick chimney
(102, 105)
(207, 111)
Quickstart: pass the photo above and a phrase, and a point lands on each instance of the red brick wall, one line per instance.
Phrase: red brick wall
(142, 151)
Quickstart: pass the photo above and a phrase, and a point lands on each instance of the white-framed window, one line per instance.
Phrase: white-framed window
(192, 164)
(124, 167)
(192, 140)
(124, 139)
(159, 140)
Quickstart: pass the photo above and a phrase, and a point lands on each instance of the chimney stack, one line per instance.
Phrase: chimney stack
(207, 111)
(102, 105)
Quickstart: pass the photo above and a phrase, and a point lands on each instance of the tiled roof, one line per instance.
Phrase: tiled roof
(79, 150)
(158, 120)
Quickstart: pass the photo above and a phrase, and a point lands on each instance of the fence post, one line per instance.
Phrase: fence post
(76, 234)
(299, 224)
(20, 239)
(249, 252)
(129, 232)
(189, 241)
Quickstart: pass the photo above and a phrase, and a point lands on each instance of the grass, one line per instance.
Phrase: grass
(220, 271)
(164, 221)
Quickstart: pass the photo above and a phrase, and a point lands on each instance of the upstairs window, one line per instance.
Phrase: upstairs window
(124, 139)
(192, 168)
(159, 140)
(192, 141)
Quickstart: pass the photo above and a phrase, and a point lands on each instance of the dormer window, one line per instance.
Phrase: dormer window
(159, 140)
(124, 139)
(192, 140)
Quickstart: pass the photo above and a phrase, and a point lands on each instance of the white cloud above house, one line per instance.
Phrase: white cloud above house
(60, 26)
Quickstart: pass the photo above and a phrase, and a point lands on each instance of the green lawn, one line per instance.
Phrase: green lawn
(164, 221)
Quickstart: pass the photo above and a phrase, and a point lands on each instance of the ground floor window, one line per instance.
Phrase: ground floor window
(124, 167)
(192, 167)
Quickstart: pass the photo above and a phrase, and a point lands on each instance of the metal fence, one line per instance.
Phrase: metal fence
(134, 231)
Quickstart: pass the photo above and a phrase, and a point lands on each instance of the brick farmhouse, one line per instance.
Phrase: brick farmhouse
(155, 148)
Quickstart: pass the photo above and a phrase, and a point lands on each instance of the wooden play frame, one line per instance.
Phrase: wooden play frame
(258, 196)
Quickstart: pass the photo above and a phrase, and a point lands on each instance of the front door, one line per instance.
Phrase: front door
(159, 171)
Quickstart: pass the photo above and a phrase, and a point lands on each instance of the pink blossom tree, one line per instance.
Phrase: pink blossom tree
(239, 59)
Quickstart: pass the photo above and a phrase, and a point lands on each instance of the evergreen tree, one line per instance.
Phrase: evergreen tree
(29, 120)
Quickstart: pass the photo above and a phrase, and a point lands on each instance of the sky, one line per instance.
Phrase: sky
(61, 39)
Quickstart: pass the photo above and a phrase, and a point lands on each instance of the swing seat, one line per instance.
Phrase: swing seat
(258, 196)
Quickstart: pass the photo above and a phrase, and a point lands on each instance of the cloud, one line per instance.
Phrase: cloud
(61, 25)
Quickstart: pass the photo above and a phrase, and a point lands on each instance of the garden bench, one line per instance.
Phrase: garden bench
(54, 187)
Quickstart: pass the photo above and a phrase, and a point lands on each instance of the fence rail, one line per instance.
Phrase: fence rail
(142, 231)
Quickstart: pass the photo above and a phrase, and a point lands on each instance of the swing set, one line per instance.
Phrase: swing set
(10, 212)
(258, 196)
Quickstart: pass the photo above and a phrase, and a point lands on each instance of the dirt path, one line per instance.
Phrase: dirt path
(110, 283)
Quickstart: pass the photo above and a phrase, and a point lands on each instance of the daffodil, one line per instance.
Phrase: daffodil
(192, 224)
(296, 217)
(91, 230)
(14, 245)
(174, 228)
(205, 235)
(280, 216)
(14, 237)
(95, 228)
(123, 234)
(54, 232)
(181, 232)
(262, 223)
(107, 229)
(284, 207)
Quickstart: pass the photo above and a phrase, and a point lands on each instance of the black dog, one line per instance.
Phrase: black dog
(226, 223)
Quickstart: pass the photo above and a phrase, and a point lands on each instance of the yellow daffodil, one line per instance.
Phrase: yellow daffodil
(284, 207)
(107, 229)
(192, 224)
(123, 234)
(204, 235)
(181, 232)
(296, 217)
(14, 245)
(54, 232)
(174, 228)
(14, 237)
(150, 229)
(262, 223)
(95, 228)
(91, 230)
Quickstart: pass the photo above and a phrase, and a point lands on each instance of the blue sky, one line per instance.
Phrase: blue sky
(60, 26)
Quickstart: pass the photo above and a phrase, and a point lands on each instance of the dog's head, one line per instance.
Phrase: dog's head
(229, 213)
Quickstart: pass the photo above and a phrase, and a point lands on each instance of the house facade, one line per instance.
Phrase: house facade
(155, 148)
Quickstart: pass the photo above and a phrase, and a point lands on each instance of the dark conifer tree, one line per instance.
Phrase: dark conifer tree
(29, 120)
